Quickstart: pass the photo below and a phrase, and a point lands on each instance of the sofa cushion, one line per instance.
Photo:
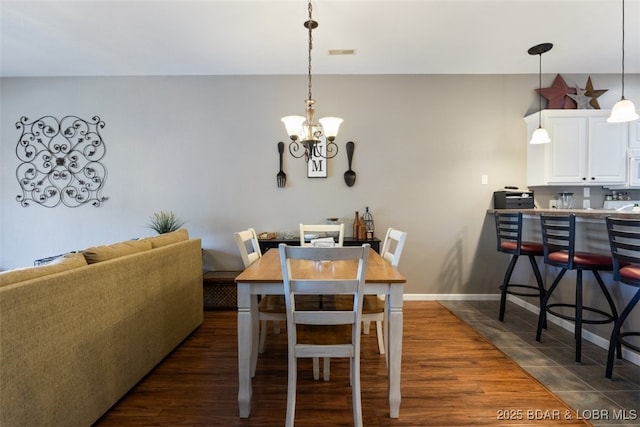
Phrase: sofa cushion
(106, 252)
(169, 238)
(66, 262)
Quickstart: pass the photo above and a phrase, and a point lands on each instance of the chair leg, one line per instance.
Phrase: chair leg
(316, 368)
(291, 390)
(614, 341)
(263, 336)
(355, 391)
(326, 368)
(539, 281)
(542, 316)
(505, 285)
(612, 306)
(366, 326)
(380, 336)
(578, 316)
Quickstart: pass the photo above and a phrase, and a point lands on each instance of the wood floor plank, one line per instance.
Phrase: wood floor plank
(451, 376)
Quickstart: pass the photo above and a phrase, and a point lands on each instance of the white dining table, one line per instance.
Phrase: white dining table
(264, 277)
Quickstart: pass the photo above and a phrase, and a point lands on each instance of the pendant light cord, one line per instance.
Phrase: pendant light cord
(622, 49)
(540, 92)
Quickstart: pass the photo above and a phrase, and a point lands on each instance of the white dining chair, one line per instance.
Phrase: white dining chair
(373, 310)
(271, 307)
(315, 231)
(373, 306)
(320, 333)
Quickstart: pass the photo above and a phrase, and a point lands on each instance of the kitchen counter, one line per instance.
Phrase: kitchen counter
(579, 213)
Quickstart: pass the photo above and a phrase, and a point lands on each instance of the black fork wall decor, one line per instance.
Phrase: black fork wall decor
(281, 177)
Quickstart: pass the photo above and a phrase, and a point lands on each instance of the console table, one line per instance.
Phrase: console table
(266, 244)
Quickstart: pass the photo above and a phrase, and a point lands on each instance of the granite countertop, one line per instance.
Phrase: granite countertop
(580, 213)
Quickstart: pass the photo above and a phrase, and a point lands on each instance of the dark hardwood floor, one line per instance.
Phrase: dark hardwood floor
(451, 376)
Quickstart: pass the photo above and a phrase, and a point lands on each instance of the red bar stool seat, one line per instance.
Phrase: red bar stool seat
(509, 238)
(624, 238)
(558, 238)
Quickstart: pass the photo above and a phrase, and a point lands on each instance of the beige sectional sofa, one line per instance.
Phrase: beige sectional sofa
(77, 334)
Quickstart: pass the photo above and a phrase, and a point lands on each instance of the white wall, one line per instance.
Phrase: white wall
(205, 148)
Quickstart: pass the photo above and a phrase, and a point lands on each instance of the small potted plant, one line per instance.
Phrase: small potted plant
(165, 222)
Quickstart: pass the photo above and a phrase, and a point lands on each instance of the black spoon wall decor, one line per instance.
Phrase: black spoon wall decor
(349, 175)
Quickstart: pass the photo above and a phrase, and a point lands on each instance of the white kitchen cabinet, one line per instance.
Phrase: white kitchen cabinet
(584, 149)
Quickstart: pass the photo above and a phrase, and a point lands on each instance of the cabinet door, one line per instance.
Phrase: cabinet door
(607, 151)
(634, 134)
(568, 150)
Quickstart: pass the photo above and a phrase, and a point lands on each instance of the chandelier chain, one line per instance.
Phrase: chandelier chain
(310, 25)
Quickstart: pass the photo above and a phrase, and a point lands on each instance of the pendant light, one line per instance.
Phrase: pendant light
(540, 135)
(623, 110)
(305, 130)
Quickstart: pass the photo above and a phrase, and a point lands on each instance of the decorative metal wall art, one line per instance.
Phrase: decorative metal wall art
(61, 161)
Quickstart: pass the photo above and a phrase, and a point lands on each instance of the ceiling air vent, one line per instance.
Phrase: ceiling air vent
(342, 51)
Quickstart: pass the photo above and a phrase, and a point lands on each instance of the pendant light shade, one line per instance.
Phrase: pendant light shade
(293, 124)
(540, 135)
(624, 110)
(330, 126)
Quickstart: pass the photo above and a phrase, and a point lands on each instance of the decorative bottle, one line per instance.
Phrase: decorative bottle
(356, 222)
(362, 230)
(368, 223)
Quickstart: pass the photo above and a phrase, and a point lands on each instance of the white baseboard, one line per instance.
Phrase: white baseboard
(601, 342)
(451, 297)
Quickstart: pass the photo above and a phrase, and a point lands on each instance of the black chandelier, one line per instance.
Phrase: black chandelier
(306, 135)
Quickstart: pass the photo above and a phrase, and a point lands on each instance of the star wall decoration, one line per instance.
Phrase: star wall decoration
(581, 99)
(556, 95)
(593, 94)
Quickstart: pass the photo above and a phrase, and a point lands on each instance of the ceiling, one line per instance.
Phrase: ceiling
(257, 37)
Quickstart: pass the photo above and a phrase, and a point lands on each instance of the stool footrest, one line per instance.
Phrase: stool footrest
(522, 293)
(608, 317)
(626, 343)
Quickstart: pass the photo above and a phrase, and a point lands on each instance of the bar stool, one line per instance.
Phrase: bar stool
(509, 239)
(624, 237)
(558, 238)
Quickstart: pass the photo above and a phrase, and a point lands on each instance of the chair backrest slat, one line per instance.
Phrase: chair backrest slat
(508, 227)
(624, 240)
(558, 234)
(323, 230)
(297, 282)
(248, 245)
(393, 245)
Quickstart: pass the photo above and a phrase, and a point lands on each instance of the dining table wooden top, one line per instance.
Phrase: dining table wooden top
(267, 269)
